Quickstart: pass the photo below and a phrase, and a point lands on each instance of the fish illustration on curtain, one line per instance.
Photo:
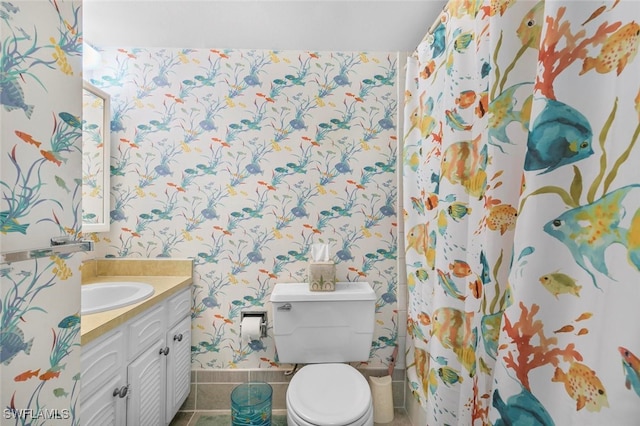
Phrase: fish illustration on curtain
(532, 273)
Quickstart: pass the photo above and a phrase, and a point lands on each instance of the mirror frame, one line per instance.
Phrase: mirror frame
(106, 161)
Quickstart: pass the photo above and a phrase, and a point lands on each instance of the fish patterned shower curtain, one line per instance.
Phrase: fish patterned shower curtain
(522, 214)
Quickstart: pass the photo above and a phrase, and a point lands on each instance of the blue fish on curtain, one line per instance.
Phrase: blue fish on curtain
(522, 408)
(631, 366)
(589, 230)
(536, 214)
(502, 113)
(439, 43)
(560, 135)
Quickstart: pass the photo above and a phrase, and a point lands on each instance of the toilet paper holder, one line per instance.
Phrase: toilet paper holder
(263, 320)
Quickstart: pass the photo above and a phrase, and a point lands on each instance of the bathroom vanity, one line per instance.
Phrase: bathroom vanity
(136, 360)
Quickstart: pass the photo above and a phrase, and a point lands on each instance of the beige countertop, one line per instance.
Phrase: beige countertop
(176, 275)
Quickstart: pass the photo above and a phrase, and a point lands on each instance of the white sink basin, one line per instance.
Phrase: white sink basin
(106, 296)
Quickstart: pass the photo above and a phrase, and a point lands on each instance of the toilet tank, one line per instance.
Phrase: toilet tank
(323, 326)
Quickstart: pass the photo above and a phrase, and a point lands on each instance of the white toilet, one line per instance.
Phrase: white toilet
(324, 330)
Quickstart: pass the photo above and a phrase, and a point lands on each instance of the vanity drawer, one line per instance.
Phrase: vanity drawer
(145, 330)
(179, 306)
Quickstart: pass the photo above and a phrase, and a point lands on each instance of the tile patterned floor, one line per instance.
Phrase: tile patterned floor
(204, 418)
(225, 420)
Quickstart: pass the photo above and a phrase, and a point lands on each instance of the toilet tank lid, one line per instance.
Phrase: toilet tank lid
(299, 292)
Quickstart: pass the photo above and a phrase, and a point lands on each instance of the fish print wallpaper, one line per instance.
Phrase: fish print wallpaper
(94, 194)
(40, 180)
(242, 159)
(522, 214)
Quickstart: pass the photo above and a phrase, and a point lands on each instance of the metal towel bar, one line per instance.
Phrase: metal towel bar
(58, 246)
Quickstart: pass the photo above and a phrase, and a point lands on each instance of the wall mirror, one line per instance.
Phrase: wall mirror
(96, 109)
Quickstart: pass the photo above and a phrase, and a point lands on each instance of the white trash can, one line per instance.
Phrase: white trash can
(382, 395)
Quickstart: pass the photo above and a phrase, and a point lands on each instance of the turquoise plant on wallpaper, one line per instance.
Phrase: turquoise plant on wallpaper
(242, 159)
(93, 191)
(40, 69)
(25, 57)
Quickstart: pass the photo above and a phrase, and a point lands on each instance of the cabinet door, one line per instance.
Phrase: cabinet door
(102, 359)
(145, 329)
(146, 377)
(178, 366)
(101, 408)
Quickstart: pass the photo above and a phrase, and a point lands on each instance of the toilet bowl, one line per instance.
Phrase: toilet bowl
(329, 395)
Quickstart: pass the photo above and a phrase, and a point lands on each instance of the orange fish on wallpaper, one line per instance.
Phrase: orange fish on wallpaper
(619, 49)
(27, 138)
(50, 156)
(27, 375)
(582, 384)
(48, 375)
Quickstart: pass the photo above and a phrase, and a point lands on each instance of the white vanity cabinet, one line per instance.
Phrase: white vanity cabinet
(178, 365)
(146, 371)
(178, 340)
(146, 378)
(102, 379)
(139, 373)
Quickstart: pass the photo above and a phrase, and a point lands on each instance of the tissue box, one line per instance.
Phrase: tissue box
(322, 276)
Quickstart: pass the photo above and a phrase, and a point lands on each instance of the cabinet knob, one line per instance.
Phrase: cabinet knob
(178, 337)
(122, 392)
(164, 351)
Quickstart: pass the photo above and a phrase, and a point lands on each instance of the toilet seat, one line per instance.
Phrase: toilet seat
(329, 394)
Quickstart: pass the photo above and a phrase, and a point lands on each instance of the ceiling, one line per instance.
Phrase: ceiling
(321, 25)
